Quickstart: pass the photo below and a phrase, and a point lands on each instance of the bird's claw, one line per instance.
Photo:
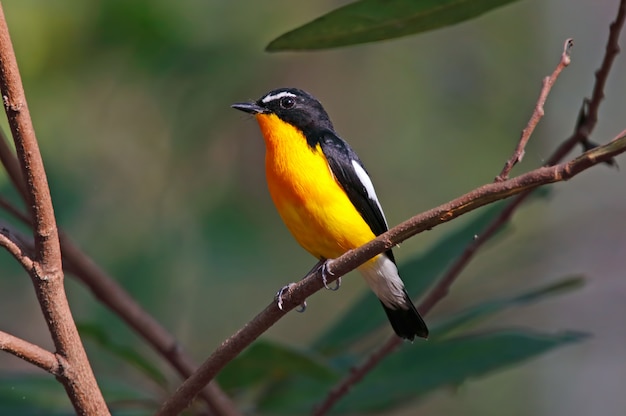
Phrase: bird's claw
(279, 298)
(279, 295)
(325, 273)
(302, 307)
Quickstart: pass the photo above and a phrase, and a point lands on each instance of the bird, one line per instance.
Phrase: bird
(325, 196)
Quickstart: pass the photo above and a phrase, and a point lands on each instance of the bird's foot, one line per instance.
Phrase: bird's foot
(325, 274)
(279, 298)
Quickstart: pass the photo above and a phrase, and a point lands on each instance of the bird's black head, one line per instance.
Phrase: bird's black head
(293, 106)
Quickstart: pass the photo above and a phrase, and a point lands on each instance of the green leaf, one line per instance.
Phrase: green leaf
(373, 20)
(98, 335)
(266, 362)
(418, 274)
(420, 368)
(414, 372)
(490, 307)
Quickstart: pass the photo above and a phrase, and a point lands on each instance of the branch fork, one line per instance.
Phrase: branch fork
(538, 113)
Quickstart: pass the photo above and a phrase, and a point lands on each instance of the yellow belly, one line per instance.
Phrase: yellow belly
(312, 204)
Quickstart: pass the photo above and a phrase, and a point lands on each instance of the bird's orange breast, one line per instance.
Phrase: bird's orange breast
(307, 196)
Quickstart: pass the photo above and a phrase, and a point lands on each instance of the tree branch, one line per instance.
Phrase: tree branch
(590, 108)
(15, 247)
(12, 166)
(46, 271)
(32, 353)
(538, 113)
(298, 292)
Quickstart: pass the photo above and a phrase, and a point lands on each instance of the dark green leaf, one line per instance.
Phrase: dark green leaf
(266, 362)
(418, 274)
(490, 307)
(98, 335)
(414, 372)
(419, 369)
(374, 20)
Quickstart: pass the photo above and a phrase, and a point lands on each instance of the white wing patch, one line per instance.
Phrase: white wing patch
(369, 186)
(277, 96)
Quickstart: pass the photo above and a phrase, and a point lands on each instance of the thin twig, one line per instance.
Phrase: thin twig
(12, 166)
(538, 113)
(14, 211)
(298, 292)
(586, 126)
(46, 271)
(12, 244)
(32, 353)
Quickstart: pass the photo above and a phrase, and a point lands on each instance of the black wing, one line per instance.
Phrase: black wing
(341, 157)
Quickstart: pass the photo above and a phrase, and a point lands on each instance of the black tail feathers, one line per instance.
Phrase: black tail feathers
(407, 323)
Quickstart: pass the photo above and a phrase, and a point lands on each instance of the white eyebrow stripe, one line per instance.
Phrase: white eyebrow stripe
(369, 186)
(272, 97)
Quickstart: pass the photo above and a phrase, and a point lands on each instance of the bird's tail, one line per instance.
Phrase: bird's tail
(407, 323)
(381, 274)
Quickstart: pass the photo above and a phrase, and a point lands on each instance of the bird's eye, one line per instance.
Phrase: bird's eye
(287, 102)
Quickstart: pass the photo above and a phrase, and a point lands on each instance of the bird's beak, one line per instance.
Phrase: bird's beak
(251, 108)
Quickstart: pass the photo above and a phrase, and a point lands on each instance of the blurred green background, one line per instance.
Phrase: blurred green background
(162, 183)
